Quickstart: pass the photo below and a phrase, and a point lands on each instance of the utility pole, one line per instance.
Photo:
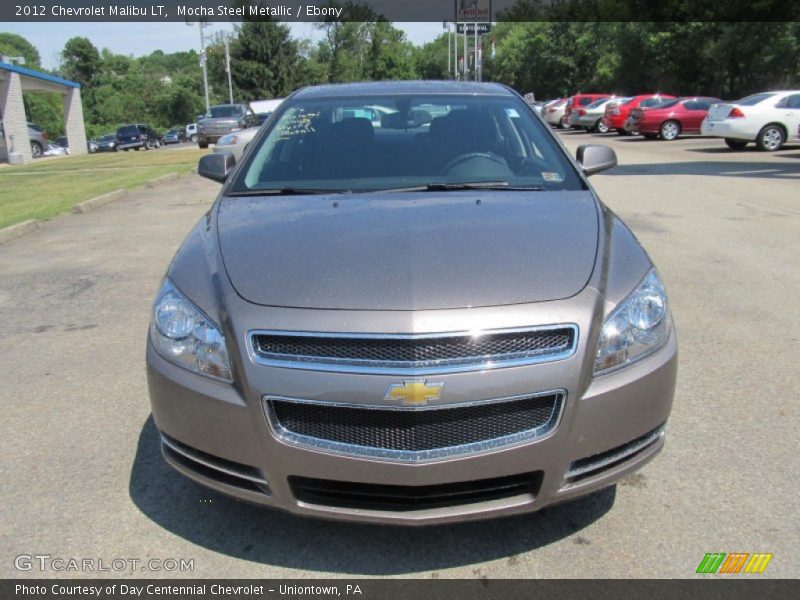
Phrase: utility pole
(448, 50)
(225, 38)
(466, 53)
(476, 52)
(202, 25)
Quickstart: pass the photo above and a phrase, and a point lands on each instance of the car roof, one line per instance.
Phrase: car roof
(368, 88)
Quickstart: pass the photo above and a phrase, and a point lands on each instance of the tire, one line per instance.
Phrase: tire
(36, 149)
(770, 138)
(670, 130)
(735, 144)
(193, 139)
(203, 144)
(600, 127)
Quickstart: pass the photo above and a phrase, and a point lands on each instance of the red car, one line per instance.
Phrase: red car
(578, 100)
(617, 114)
(671, 118)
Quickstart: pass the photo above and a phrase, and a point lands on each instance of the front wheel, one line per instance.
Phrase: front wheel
(670, 130)
(770, 138)
(36, 149)
(193, 139)
(735, 144)
(600, 126)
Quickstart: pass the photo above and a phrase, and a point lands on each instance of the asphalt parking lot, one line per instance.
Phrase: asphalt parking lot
(83, 478)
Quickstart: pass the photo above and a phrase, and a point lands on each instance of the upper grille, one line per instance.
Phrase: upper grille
(425, 353)
(413, 434)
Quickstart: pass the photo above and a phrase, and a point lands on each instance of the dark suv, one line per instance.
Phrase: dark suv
(137, 137)
(222, 120)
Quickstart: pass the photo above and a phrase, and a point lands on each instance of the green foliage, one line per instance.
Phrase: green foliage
(12, 44)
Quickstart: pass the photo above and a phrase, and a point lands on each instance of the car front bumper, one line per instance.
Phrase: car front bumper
(219, 435)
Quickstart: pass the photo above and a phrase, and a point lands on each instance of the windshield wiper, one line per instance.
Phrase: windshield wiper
(289, 191)
(466, 185)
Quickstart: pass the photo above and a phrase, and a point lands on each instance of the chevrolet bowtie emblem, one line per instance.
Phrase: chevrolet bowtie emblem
(414, 392)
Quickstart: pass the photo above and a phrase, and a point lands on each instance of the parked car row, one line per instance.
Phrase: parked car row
(769, 119)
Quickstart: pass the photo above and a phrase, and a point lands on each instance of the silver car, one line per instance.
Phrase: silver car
(590, 117)
(236, 143)
(422, 322)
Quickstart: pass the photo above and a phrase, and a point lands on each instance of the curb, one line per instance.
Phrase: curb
(19, 230)
(13, 232)
(88, 206)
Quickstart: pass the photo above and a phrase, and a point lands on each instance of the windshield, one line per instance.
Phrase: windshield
(224, 112)
(347, 144)
(754, 99)
(128, 130)
(108, 138)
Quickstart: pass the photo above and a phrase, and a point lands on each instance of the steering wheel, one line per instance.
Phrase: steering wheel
(484, 156)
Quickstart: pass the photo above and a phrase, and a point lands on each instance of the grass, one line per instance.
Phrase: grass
(48, 187)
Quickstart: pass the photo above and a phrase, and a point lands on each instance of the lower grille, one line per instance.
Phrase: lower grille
(414, 434)
(405, 498)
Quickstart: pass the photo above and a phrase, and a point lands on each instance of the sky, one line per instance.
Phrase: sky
(143, 38)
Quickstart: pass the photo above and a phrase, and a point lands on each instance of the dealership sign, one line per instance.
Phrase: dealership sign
(473, 11)
(470, 28)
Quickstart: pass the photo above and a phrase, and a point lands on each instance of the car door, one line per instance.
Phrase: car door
(789, 109)
(694, 113)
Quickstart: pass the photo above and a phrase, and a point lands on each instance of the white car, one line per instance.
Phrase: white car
(191, 132)
(769, 119)
(590, 117)
(236, 142)
(553, 112)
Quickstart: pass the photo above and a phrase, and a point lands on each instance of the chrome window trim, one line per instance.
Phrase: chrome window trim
(409, 368)
(409, 456)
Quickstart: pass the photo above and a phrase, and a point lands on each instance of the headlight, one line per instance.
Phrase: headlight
(638, 326)
(183, 335)
(227, 140)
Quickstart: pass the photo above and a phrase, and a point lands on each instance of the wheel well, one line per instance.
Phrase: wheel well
(782, 127)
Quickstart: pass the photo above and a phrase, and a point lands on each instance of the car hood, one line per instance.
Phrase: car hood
(409, 251)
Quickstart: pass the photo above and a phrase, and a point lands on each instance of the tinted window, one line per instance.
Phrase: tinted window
(128, 130)
(754, 99)
(223, 112)
(326, 143)
(584, 101)
(651, 102)
(597, 103)
(793, 101)
(698, 105)
(665, 104)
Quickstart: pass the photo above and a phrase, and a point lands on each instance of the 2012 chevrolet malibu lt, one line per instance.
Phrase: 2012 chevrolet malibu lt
(408, 305)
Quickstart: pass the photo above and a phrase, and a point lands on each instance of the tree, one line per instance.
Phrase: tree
(80, 61)
(265, 61)
(12, 44)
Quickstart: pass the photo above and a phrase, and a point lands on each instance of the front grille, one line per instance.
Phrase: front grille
(405, 498)
(423, 353)
(413, 434)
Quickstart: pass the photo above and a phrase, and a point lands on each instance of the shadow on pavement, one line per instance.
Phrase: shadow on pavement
(757, 170)
(271, 537)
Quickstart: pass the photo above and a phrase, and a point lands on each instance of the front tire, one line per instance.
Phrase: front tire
(36, 149)
(600, 127)
(770, 138)
(735, 144)
(670, 130)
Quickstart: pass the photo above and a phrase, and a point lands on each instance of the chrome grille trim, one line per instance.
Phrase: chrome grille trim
(607, 459)
(343, 449)
(410, 368)
(195, 457)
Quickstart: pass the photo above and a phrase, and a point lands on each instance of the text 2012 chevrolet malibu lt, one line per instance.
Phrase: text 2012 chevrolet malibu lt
(408, 305)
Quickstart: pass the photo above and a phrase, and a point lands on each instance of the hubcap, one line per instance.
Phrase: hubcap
(602, 127)
(669, 131)
(35, 150)
(772, 138)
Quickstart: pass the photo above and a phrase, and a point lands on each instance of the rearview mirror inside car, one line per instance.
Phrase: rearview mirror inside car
(595, 158)
(216, 166)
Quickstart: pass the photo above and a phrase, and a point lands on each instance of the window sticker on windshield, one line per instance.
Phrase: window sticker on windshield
(512, 112)
(548, 176)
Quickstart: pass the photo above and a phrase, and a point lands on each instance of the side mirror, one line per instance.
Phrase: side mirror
(595, 158)
(216, 166)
